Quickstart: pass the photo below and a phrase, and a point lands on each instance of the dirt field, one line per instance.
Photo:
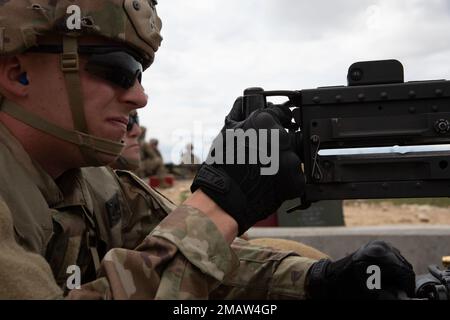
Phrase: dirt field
(363, 213)
(360, 213)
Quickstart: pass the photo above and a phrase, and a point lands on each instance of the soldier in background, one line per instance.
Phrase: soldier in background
(152, 163)
(130, 158)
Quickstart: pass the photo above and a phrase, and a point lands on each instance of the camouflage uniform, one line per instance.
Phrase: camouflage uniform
(112, 225)
(151, 162)
(143, 253)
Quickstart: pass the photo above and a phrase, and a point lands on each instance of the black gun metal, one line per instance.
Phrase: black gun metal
(376, 109)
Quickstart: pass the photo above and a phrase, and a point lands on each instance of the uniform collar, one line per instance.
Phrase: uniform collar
(74, 188)
(42, 179)
(68, 190)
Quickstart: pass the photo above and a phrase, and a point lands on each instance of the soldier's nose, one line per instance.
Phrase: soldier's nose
(135, 96)
(136, 131)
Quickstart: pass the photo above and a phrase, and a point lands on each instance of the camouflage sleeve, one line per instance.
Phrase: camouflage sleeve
(283, 272)
(184, 257)
(23, 275)
(264, 273)
(146, 208)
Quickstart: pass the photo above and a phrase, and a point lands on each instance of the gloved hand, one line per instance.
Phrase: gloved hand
(242, 190)
(347, 278)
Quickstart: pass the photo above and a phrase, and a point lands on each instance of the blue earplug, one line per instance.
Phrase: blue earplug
(23, 79)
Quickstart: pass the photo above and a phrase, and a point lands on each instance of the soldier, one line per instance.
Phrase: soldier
(130, 158)
(66, 98)
(151, 160)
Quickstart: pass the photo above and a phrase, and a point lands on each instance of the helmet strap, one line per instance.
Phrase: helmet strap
(89, 145)
(70, 66)
(78, 138)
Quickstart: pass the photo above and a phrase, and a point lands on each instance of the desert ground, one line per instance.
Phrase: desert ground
(360, 212)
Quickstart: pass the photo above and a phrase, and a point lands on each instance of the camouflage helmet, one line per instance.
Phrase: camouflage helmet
(132, 22)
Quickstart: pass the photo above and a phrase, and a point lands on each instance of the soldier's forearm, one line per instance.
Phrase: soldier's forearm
(224, 222)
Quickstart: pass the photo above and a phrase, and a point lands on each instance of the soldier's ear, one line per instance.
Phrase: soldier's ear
(12, 79)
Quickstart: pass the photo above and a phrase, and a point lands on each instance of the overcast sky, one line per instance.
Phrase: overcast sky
(212, 50)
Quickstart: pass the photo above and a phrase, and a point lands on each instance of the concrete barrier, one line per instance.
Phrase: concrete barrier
(420, 245)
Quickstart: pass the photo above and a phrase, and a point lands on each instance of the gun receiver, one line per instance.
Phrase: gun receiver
(339, 131)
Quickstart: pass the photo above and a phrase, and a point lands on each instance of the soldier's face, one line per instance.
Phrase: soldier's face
(132, 148)
(106, 106)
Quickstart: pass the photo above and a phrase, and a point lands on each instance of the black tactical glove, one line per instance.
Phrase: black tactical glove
(348, 278)
(240, 189)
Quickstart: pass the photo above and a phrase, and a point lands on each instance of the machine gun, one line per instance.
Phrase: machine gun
(378, 137)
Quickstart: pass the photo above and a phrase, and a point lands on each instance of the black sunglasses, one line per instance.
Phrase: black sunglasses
(132, 120)
(118, 65)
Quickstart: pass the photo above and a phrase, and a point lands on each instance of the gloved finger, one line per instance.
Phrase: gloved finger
(237, 112)
(398, 278)
(261, 119)
(382, 252)
(407, 281)
(282, 113)
(396, 271)
(291, 181)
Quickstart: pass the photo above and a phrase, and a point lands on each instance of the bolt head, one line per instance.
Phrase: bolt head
(442, 126)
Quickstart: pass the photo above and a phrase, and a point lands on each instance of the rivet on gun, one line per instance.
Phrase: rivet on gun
(442, 126)
(316, 99)
(353, 187)
(438, 92)
(418, 185)
(384, 185)
(412, 109)
(361, 97)
(384, 95)
(338, 98)
(315, 139)
(412, 94)
(435, 108)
